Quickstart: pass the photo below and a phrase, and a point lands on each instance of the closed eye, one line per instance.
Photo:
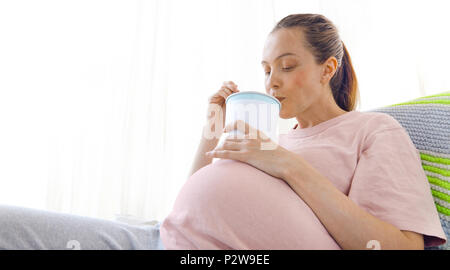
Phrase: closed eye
(284, 69)
(287, 68)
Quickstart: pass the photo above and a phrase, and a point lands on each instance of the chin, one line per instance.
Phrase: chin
(284, 115)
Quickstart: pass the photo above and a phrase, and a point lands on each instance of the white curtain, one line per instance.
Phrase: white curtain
(102, 102)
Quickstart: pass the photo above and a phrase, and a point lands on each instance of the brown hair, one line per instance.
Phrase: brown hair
(322, 39)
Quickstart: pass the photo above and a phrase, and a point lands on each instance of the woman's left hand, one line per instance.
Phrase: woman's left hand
(254, 148)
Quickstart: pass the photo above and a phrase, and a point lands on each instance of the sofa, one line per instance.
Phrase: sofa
(427, 121)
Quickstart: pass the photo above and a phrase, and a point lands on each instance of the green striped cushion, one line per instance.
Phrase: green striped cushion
(427, 121)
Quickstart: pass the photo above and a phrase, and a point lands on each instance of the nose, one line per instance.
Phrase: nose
(272, 84)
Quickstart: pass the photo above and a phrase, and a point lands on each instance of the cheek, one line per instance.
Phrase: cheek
(299, 94)
(300, 79)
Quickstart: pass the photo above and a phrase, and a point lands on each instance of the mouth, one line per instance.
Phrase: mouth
(280, 99)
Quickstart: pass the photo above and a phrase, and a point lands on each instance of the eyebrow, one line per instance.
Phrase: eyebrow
(284, 54)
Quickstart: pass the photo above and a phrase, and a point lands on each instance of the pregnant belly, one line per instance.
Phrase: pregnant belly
(232, 205)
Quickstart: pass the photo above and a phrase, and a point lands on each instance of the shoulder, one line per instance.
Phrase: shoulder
(376, 128)
(377, 121)
(371, 123)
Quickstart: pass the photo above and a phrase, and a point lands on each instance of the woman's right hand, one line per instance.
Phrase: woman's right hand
(218, 99)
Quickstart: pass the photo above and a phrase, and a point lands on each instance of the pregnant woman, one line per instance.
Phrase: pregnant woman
(340, 179)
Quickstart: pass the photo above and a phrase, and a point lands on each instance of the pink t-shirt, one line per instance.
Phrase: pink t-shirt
(366, 155)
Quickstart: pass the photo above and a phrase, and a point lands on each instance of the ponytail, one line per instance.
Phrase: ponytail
(344, 84)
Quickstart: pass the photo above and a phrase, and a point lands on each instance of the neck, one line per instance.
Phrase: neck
(321, 111)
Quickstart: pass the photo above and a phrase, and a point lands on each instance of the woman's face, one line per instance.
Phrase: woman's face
(291, 72)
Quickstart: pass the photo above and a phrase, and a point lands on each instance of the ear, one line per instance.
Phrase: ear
(329, 68)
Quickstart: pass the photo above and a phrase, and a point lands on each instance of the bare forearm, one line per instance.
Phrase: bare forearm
(351, 226)
(200, 159)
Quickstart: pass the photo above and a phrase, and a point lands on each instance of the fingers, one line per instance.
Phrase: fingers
(228, 88)
(223, 94)
(231, 145)
(227, 91)
(247, 130)
(220, 96)
(230, 85)
(241, 126)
